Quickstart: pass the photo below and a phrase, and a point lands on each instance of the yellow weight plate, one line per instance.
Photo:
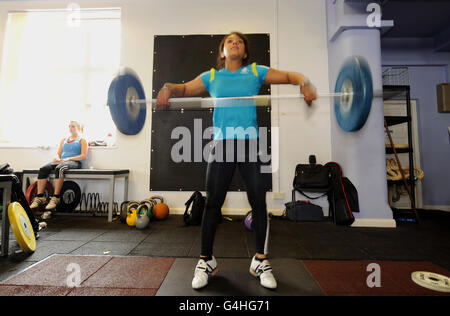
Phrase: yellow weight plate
(21, 227)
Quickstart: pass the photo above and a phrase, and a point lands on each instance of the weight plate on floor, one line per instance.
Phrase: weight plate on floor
(432, 281)
(70, 196)
(126, 86)
(353, 109)
(21, 227)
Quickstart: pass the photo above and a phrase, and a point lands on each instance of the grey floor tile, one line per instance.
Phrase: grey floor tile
(162, 249)
(46, 248)
(10, 268)
(129, 235)
(233, 279)
(287, 250)
(174, 236)
(76, 235)
(99, 248)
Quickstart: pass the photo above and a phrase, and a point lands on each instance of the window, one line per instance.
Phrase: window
(56, 69)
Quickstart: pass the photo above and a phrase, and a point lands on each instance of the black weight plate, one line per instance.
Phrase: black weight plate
(70, 196)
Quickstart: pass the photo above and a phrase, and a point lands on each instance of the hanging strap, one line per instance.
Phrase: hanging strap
(188, 204)
(309, 197)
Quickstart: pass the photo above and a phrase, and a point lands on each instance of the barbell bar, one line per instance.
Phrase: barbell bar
(353, 98)
(259, 100)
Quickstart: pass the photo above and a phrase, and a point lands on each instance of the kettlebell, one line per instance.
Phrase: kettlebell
(149, 203)
(150, 212)
(131, 217)
(142, 219)
(124, 212)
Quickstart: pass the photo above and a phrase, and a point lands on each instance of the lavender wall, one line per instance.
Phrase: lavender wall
(426, 70)
(433, 134)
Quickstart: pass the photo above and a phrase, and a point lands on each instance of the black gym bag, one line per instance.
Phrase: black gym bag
(303, 211)
(311, 177)
(343, 198)
(194, 216)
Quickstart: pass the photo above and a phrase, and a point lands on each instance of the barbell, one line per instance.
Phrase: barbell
(353, 98)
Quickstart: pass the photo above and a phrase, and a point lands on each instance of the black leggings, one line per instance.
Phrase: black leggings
(218, 178)
(58, 169)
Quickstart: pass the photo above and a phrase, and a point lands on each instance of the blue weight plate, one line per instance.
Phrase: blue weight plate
(352, 112)
(129, 120)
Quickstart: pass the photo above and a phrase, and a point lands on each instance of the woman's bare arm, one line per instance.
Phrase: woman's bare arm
(171, 90)
(57, 159)
(275, 76)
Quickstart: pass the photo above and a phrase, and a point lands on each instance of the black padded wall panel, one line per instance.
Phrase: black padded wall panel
(180, 59)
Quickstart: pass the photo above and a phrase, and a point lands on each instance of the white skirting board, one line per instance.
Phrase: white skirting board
(228, 211)
(361, 222)
(374, 222)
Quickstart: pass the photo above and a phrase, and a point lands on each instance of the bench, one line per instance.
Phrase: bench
(110, 175)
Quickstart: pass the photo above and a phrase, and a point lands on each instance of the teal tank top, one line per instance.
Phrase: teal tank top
(71, 149)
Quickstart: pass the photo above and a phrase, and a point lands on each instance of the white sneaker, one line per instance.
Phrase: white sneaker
(263, 271)
(202, 272)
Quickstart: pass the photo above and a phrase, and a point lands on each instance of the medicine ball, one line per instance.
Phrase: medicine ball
(248, 220)
(160, 211)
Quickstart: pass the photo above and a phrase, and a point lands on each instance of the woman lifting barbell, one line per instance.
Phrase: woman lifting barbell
(71, 152)
(234, 77)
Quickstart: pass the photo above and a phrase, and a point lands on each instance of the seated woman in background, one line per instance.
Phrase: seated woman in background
(71, 152)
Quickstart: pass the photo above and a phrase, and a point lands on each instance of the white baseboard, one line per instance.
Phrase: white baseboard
(359, 222)
(375, 222)
(228, 211)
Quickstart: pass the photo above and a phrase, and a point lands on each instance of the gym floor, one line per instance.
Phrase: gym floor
(308, 258)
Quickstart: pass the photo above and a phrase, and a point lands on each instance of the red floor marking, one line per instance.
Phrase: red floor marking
(350, 277)
(87, 291)
(131, 272)
(100, 276)
(53, 271)
(33, 290)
